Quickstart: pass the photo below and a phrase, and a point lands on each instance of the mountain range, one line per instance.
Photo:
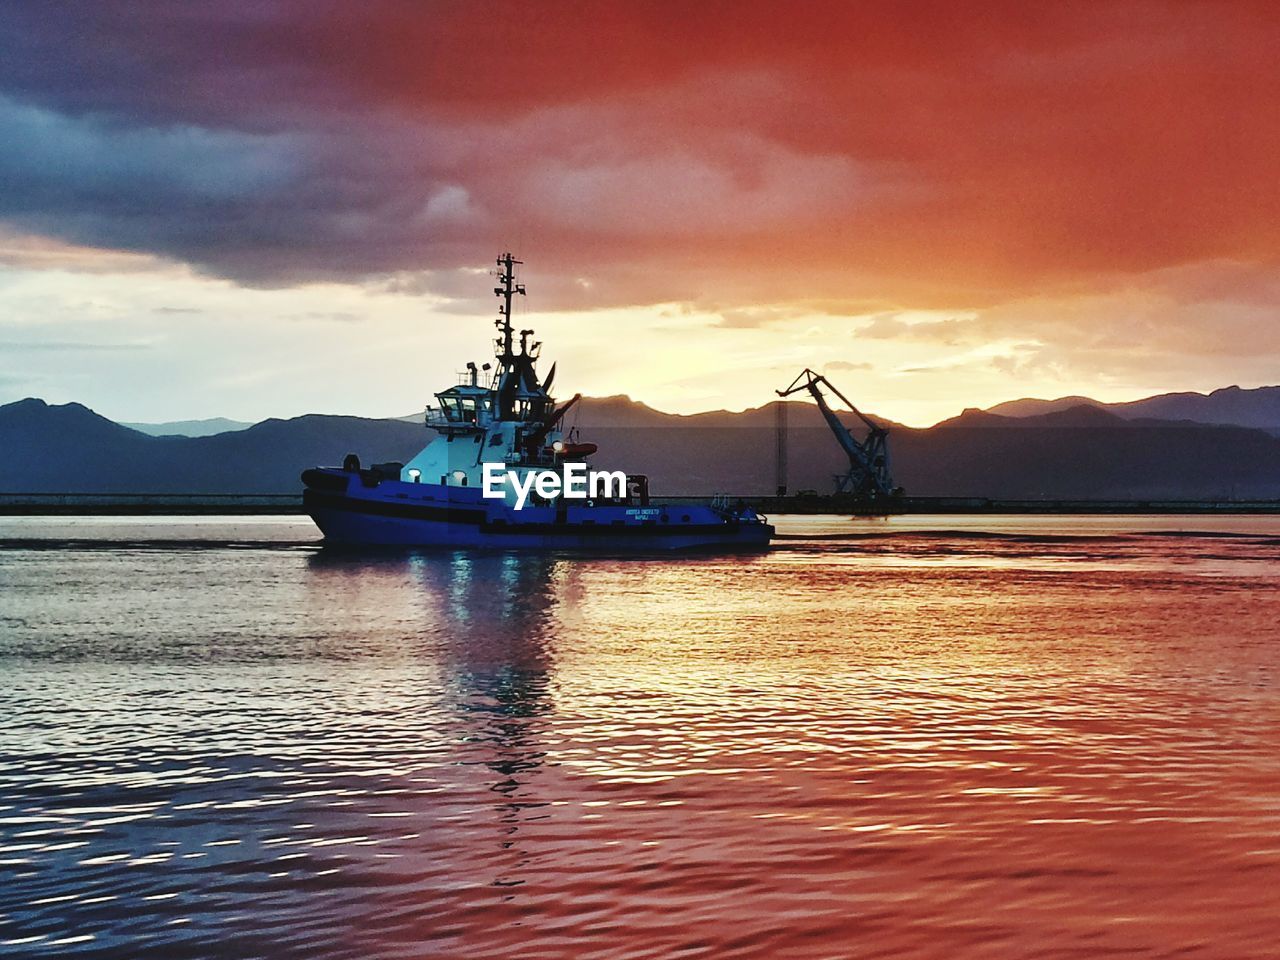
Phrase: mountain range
(70, 449)
(1230, 406)
(1070, 451)
(189, 428)
(1234, 406)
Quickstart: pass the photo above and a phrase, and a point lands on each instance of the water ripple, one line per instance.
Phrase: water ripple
(915, 741)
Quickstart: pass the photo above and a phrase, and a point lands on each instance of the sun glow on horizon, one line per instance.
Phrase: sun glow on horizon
(144, 340)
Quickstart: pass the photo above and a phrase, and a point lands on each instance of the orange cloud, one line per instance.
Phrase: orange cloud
(1065, 186)
(922, 153)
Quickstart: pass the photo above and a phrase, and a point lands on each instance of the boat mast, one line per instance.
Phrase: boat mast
(506, 277)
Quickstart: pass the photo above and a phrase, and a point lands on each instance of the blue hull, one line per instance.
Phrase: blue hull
(352, 511)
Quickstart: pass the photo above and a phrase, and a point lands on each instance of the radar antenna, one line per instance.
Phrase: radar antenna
(508, 288)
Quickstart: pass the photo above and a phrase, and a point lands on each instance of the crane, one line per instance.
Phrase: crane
(868, 475)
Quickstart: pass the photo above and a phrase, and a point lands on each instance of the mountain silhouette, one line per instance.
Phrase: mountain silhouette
(189, 428)
(1081, 452)
(70, 449)
(1232, 406)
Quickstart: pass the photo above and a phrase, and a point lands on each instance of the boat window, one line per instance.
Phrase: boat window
(460, 409)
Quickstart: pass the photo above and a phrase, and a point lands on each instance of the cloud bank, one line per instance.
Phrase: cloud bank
(1084, 184)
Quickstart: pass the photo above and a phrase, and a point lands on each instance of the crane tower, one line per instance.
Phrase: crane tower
(868, 475)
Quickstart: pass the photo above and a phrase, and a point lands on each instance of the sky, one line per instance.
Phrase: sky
(272, 208)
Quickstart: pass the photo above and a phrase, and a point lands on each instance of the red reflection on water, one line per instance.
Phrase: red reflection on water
(1010, 742)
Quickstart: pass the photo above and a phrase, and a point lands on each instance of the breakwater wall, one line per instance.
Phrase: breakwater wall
(144, 504)
(197, 504)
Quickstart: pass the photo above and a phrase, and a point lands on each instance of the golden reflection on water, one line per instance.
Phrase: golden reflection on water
(917, 743)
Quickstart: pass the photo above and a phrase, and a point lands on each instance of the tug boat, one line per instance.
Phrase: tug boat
(502, 418)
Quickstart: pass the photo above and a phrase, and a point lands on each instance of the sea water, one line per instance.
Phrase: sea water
(920, 737)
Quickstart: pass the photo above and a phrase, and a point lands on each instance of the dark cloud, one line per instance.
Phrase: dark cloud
(916, 154)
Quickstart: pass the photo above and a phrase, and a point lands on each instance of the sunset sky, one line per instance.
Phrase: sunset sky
(265, 209)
